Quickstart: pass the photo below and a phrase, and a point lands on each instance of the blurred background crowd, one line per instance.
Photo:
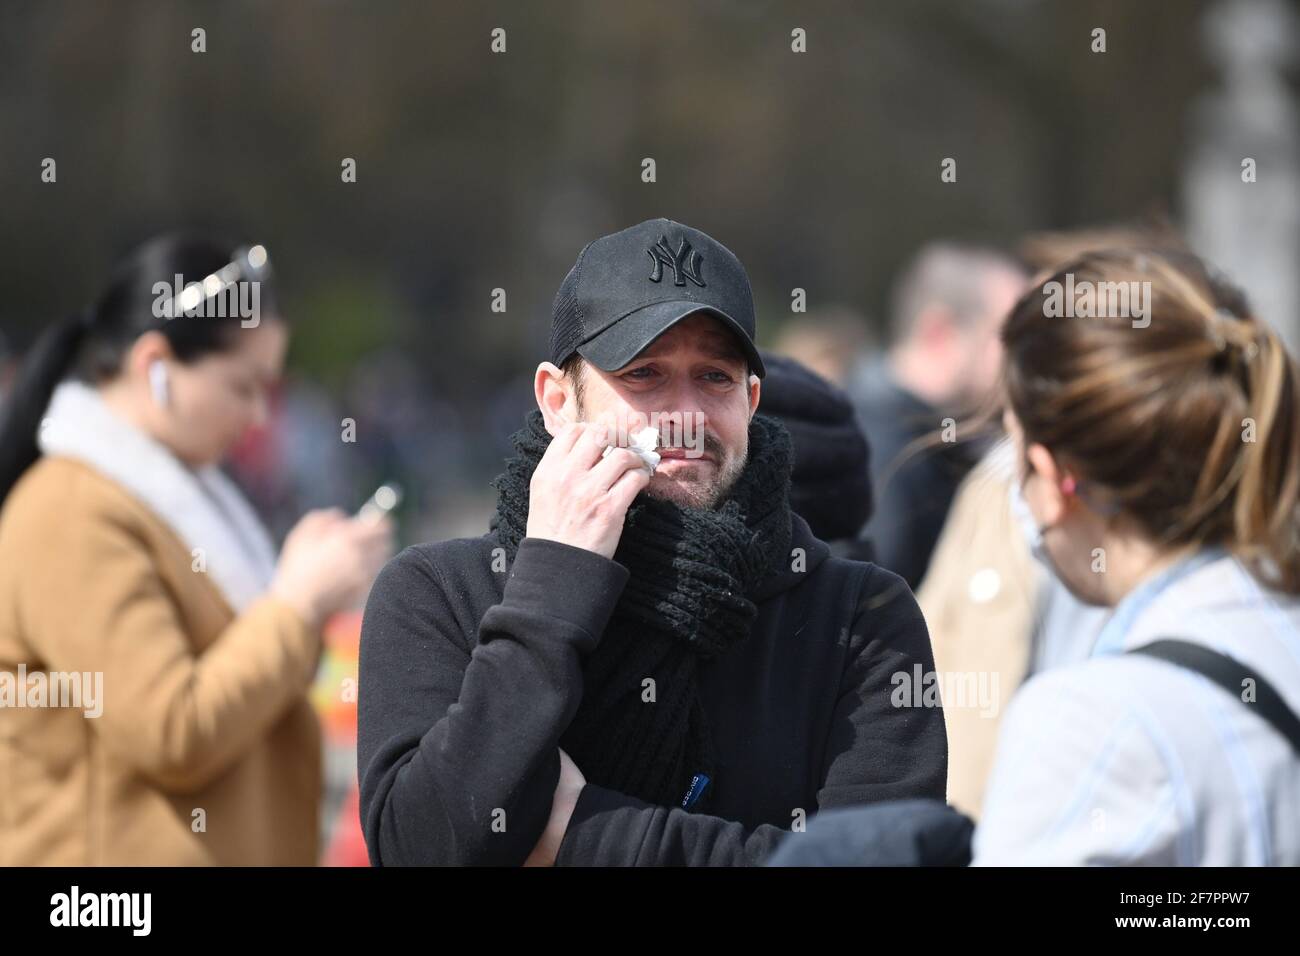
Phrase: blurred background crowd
(480, 171)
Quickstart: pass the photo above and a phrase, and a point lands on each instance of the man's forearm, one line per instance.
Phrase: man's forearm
(461, 759)
(613, 829)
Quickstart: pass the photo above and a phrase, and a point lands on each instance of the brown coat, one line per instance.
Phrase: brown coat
(201, 710)
(979, 598)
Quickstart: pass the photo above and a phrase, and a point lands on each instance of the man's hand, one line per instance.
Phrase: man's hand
(566, 798)
(577, 497)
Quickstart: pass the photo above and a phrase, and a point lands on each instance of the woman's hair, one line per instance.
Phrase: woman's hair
(1186, 425)
(91, 345)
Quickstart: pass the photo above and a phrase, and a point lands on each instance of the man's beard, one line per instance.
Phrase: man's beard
(700, 493)
(705, 493)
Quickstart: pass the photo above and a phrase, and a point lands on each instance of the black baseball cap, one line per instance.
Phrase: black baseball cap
(628, 288)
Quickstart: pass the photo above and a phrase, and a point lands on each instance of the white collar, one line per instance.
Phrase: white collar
(202, 506)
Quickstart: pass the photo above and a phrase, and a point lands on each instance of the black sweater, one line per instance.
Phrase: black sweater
(470, 675)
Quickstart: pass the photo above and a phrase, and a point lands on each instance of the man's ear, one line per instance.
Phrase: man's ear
(755, 386)
(554, 397)
(1051, 502)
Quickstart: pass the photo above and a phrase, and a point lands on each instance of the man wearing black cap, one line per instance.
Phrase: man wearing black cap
(649, 659)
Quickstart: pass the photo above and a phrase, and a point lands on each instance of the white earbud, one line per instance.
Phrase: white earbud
(158, 384)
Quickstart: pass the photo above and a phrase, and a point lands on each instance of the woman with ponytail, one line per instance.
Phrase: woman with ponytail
(1159, 458)
(49, 360)
(154, 653)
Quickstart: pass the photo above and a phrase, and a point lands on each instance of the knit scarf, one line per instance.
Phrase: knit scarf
(686, 601)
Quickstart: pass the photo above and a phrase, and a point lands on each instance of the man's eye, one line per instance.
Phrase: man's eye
(634, 373)
(720, 378)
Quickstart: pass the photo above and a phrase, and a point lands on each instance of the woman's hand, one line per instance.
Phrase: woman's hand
(329, 561)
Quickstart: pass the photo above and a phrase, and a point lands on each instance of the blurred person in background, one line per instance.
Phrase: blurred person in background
(1161, 468)
(943, 362)
(294, 461)
(827, 342)
(408, 431)
(830, 483)
(993, 608)
(125, 552)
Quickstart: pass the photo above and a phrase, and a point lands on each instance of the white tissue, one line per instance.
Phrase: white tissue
(644, 444)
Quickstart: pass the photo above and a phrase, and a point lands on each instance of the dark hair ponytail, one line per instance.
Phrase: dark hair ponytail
(92, 345)
(49, 361)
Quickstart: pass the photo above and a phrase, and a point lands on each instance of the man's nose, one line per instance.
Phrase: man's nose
(684, 399)
(683, 420)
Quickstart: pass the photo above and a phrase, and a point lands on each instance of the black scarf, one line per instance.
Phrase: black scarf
(685, 601)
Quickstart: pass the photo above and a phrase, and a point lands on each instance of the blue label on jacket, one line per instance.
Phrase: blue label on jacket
(698, 783)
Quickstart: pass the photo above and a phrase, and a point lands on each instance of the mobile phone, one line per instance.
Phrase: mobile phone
(386, 497)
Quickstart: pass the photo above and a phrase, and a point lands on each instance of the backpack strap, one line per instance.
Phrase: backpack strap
(1229, 674)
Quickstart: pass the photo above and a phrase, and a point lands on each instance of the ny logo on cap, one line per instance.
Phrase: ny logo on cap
(684, 262)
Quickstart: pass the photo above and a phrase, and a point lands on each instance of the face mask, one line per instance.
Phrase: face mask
(1033, 534)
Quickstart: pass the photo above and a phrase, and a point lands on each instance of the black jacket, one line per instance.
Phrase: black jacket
(892, 833)
(469, 675)
(913, 487)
